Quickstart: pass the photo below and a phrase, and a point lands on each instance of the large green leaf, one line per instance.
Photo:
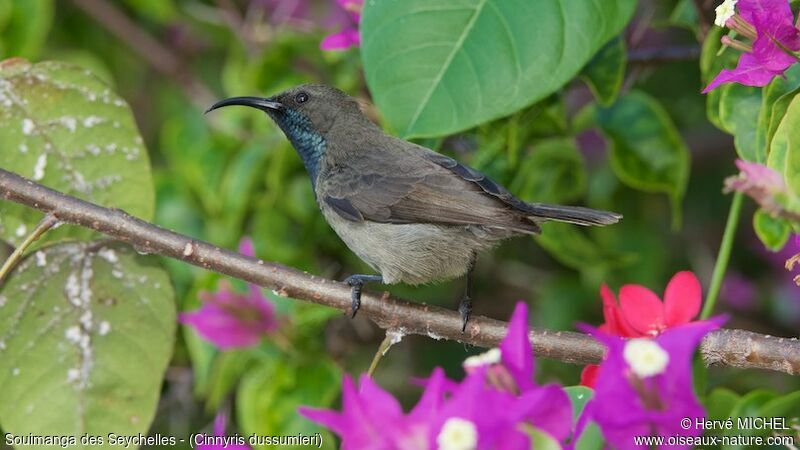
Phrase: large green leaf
(436, 67)
(63, 127)
(86, 332)
(553, 172)
(646, 150)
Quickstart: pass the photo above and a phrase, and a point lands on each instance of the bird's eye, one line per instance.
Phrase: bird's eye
(301, 97)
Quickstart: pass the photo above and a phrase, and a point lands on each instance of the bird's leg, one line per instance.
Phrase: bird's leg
(356, 283)
(465, 305)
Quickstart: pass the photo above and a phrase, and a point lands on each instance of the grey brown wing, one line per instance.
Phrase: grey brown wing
(423, 187)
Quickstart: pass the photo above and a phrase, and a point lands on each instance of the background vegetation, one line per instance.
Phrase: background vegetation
(631, 133)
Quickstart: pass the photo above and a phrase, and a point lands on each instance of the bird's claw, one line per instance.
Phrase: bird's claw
(355, 296)
(465, 309)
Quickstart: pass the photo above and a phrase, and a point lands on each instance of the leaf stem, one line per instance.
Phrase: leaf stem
(724, 255)
(47, 222)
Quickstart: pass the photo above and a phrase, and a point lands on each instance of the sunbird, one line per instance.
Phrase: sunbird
(412, 214)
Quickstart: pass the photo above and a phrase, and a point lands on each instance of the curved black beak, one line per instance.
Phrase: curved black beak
(253, 102)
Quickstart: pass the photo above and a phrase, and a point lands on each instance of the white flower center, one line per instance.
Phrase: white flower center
(645, 357)
(458, 434)
(484, 359)
(724, 12)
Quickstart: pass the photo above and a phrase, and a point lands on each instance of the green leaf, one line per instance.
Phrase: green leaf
(591, 438)
(777, 113)
(713, 58)
(719, 405)
(541, 440)
(268, 397)
(791, 169)
(772, 231)
(647, 152)
(553, 172)
(605, 72)
(87, 330)
(573, 248)
(63, 127)
(773, 107)
(787, 406)
(436, 67)
(578, 396)
(739, 108)
(25, 28)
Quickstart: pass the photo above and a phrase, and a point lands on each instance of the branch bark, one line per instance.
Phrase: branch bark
(735, 348)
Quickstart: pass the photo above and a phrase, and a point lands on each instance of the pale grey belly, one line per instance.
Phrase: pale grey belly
(413, 253)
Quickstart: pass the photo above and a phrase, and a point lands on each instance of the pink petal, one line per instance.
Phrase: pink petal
(516, 350)
(432, 398)
(748, 72)
(342, 40)
(220, 328)
(247, 248)
(642, 309)
(682, 299)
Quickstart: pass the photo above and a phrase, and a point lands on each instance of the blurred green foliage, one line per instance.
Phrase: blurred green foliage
(638, 131)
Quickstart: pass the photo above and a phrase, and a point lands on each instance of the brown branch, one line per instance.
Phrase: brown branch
(148, 48)
(737, 348)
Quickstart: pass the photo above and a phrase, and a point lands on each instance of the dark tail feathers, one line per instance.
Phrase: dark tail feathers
(572, 214)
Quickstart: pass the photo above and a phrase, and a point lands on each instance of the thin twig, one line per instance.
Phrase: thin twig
(148, 48)
(660, 55)
(737, 348)
(702, 19)
(47, 222)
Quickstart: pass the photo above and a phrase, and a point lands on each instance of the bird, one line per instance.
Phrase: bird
(414, 215)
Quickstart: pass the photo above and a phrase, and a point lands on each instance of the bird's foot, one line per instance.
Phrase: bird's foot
(465, 309)
(356, 283)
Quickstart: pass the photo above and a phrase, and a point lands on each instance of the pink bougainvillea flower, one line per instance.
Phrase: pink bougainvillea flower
(763, 184)
(349, 36)
(644, 386)
(231, 319)
(640, 313)
(219, 431)
(769, 24)
(489, 409)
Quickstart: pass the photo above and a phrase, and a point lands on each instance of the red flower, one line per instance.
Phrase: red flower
(640, 313)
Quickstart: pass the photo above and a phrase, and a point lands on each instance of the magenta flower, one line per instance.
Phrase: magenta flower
(489, 409)
(208, 443)
(349, 36)
(230, 319)
(770, 25)
(511, 369)
(644, 386)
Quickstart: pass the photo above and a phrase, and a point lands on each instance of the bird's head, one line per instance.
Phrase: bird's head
(306, 114)
(308, 108)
